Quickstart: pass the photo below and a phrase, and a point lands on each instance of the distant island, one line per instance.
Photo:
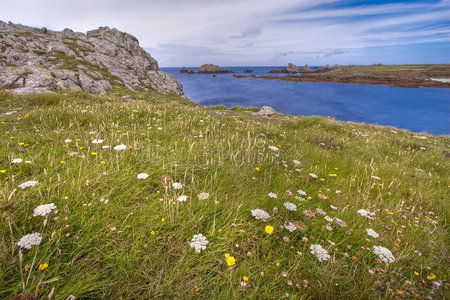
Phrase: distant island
(206, 69)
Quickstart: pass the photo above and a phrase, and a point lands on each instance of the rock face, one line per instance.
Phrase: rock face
(293, 69)
(212, 69)
(266, 111)
(38, 60)
(275, 71)
(186, 70)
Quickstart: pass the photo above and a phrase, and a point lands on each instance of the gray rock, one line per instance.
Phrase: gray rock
(95, 61)
(266, 111)
(211, 69)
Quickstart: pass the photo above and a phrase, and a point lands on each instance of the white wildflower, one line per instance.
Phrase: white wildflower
(299, 198)
(296, 162)
(260, 214)
(28, 184)
(329, 228)
(67, 141)
(372, 233)
(43, 210)
(290, 226)
(29, 240)
(333, 207)
(120, 147)
(97, 141)
(105, 147)
(182, 198)
(313, 175)
(272, 195)
(328, 219)
(321, 212)
(203, 196)
(366, 214)
(375, 177)
(199, 242)
(28, 162)
(301, 192)
(319, 252)
(273, 148)
(384, 254)
(290, 206)
(142, 176)
(17, 161)
(177, 185)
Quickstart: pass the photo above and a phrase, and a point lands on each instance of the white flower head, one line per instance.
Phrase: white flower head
(67, 141)
(120, 147)
(260, 214)
(177, 185)
(366, 214)
(29, 240)
(17, 161)
(296, 162)
(199, 242)
(313, 175)
(105, 147)
(329, 228)
(301, 192)
(43, 210)
(182, 198)
(333, 207)
(272, 195)
(372, 233)
(328, 219)
(203, 196)
(290, 226)
(290, 206)
(375, 177)
(142, 176)
(97, 141)
(319, 252)
(273, 148)
(28, 184)
(384, 254)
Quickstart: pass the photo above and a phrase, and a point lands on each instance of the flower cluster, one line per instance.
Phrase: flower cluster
(43, 210)
(290, 206)
(29, 240)
(199, 242)
(142, 176)
(120, 147)
(372, 233)
(319, 252)
(260, 214)
(366, 214)
(384, 254)
(203, 196)
(290, 226)
(28, 184)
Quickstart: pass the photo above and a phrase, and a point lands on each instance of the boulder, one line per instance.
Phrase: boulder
(275, 70)
(186, 70)
(266, 111)
(212, 69)
(291, 69)
(248, 71)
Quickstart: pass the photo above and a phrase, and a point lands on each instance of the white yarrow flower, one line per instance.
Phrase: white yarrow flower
(273, 148)
(366, 214)
(97, 141)
(333, 207)
(313, 175)
(290, 206)
(28, 184)
(182, 198)
(296, 162)
(67, 141)
(290, 226)
(372, 233)
(384, 254)
(105, 147)
(17, 161)
(142, 176)
(301, 192)
(260, 214)
(319, 252)
(177, 185)
(272, 195)
(328, 219)
(43, 210)
(203, 196)
(120, 147)
(199, 242)
(29, 240)
(375, 177)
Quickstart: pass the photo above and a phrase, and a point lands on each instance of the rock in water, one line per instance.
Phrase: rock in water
(211, 69)
(34, 60)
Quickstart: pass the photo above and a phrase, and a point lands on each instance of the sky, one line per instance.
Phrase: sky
(258, 32)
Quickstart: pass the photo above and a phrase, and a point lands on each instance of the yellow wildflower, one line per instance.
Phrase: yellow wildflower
(62, 162)
(257, 169)
(332, 175)
(42, 267)
(230, 260)
(3, 171)
(431, 276)
(245, 278)
(102, 162)
(94, 153)
(269, 229)
(163, 220)
(399, 292)
(416, 273)
(152, 232)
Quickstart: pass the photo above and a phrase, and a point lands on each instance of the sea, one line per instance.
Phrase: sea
(419, 110)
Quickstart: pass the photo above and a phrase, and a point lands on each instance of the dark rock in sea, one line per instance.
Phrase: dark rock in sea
(211, 69)
(306, 69)
(248, 71)
(276, 70)
(186, 70)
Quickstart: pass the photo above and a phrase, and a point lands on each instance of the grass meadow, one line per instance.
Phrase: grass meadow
(332, 190)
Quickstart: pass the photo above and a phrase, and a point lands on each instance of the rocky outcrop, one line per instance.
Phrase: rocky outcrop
(212, 69)
(293, 69)
(37, 60)
(186, 70)
(275, 71)
(266, 111)
(248, 71)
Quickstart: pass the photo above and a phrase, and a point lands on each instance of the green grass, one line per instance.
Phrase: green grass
(424, 70)
(96, 250)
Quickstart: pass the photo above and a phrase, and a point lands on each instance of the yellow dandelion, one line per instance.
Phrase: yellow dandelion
(94, 153)
(245, 278)
(152, 232)
(3, 171)
(231, 260)
(431, 276)
(322, 179)
(399, 292)
(257, 169)
(163, 220)
(62, 162)
(416, 273)
(102, 162)
(42, 267)
(269, 229)
(332, 175)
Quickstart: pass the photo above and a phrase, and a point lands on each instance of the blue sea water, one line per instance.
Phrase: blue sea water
(416, 109)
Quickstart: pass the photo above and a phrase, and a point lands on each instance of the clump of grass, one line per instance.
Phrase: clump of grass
(113, 235)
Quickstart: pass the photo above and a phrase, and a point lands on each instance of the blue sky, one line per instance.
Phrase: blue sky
(258, 32)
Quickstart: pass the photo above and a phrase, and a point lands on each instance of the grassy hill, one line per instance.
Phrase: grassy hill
(115, 236)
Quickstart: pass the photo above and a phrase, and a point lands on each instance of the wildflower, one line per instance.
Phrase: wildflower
(42, 267)
(28, 184)
(67, 141)
(321, 212)
(309, 214)
(182, 198)
(372, 233)
(272, 195)
(3, 171)
(257, 169)
(152, 232)
(323, 197)
(399, 292)
(332, 175)
(304, 239)
(43, 210)
(199, 242)
(203, 196)
(260, 214)
(273, 148)
(120, 147)
(177, 185)
(62, 162)
(366, 214)
(268, 229)
(98, 141)
(296, 162)
(301, 192)
(431, 276)
(340, 222)
(290, 206)
(328, 219)
(375, 177)
(319, 252)
(245, 278)
(230, 259)
(290, 226)
(105, 147)
(313, 175)
(29, 240)
(17, 161)
(142, 176)
(384, 254)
